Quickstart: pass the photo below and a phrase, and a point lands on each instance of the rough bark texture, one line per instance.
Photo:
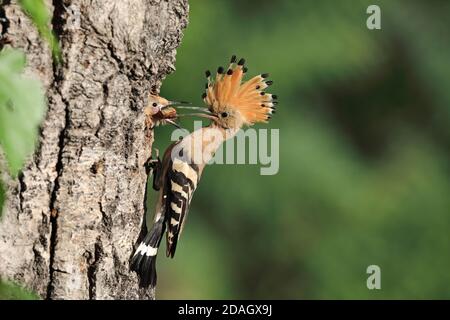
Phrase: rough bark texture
(75, 213)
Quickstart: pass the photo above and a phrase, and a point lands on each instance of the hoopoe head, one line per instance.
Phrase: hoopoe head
(157, 101)
(233, 103)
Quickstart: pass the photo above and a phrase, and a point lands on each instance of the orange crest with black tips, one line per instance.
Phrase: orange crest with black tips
(248, 97)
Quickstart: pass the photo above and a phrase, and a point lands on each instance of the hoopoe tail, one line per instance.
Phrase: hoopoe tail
(144, 259)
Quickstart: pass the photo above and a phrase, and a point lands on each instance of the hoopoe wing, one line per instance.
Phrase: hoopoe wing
(183, 177)
(144, 258)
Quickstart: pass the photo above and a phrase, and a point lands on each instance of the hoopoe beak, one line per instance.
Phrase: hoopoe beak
(202, 109)
(173, 123)
(178, 103)
(186, 105)
(208, 115)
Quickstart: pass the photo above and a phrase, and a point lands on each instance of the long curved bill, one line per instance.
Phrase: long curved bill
(202, 109)
(178, 103)
(173, 123)
(205, 113)
(186, 105)
(208, 115)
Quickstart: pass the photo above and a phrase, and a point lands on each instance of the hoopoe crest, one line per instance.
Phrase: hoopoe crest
(234, 103)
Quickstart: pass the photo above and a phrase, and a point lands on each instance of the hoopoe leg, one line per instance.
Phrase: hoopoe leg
(154, 166)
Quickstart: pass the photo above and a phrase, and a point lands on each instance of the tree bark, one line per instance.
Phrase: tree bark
(73, 216)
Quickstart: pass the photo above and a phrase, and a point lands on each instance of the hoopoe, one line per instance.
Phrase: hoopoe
(231, 104)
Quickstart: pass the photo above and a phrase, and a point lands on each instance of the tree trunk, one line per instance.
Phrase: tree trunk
(74, 215)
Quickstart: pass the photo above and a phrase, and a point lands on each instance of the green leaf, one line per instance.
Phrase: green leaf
(40, 16)
(22, 108)
(13, 61)
(11, 291)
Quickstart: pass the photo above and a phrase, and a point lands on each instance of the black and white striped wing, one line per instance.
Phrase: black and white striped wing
(183, 182)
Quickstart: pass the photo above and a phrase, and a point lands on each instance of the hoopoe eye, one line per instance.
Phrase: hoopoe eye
(154, 104)
(224, 114)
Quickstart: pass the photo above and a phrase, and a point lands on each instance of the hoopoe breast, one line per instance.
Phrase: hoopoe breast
(188, 159)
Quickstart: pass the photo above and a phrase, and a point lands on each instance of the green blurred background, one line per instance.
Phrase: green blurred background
(364, 154)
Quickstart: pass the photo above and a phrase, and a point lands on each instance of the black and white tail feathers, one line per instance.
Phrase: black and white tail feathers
(144, 259)
(177, 182)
